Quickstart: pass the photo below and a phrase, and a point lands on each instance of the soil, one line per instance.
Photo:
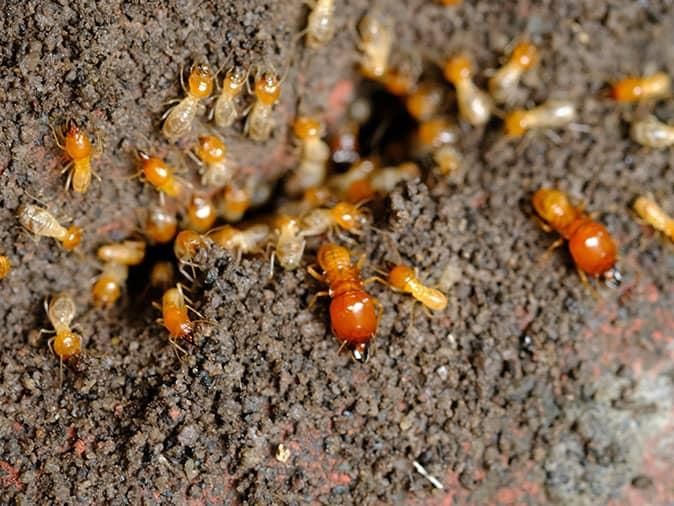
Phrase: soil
(526, 390)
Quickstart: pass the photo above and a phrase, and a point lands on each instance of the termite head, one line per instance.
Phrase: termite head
(349, 216)
(200, 82)
(67, 345)
(307, 128)
(155, 170)
(234, 80)
(76, 143)
(525, 55)
(515, 123)
(553, 206)
(268, 88)
(73, 238)
(210, 149)
(457, 69)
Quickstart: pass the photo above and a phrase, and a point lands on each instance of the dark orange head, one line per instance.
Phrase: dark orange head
(593, 249)
(73, 238)
(155, 170)
(515, 123)
(235, 202)
(187, 244)
(436, 132)
(400, 276)
(525, 55)
(200, 82)
(67, 345)
(348, 216)
(554, 208)
(307, 128)
(201, 213)
(425, 101)
(210, 149)
(629, 89)
(106, 291)
(76, 142)
(268, 88)
(353, 317)
(457, 69)
(161, 225)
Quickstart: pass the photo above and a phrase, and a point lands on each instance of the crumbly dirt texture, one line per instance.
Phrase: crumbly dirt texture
(526, 390)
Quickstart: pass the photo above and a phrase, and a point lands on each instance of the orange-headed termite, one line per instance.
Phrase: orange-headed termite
(632, 89)
(315, 154)
(78, 147)
(216, 170)
(344, 215)
(260, 121)
(376, 42)
(404, 279)
(504, 81)
(241, 241)
(354, 314)
(225, 111)
(161, 176)
(41, 222)
(179, 118)
(161, 225)
(5, 266)
(127, 252)
(201, 213)
(550, 114)
(475, 106)
(289, 242)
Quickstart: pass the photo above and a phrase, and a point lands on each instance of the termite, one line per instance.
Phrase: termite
(315, 154)
(108, 287)
(161, 225)
(652, 133)
(126, 253)
(65, 344)
(215, 168)
(5, 266)
(179, 118)
(321, 23)
(290, 244)
(260, 121)
(593, 249)
(240, 241)
(404, 279)
(41, 222)
(437, 137)
(78, 147)
(475, 106)
(649, 211)
(354, 314)
(340, 183)
(376, 42)
(225, 111)
(186, 246)
(200, 214)
(633, 89)
(426, 101)
(161, 176)
(343, 215)
(505, 80)
(175, 317)
(550, 114)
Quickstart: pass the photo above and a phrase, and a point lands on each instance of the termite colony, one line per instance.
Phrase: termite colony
(325, 197)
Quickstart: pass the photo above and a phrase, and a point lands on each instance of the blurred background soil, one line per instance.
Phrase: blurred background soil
(526, 390)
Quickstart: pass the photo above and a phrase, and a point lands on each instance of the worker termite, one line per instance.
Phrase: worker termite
(437, 137)
(41, 222)
(475, 106)
(160, 225)
(652, 133)
(260, 121)
(216, 170)
(225, 111)
(425, 102)
(200, 214)
(127, 252)
(344, 215)
(186, 246)
(376, 42)
(551, 114)
(593, 249)
(78, 147)
(505, 80)
(5, 266)
(649, 211)
(315, 154)
(65, 344)
(321, 23)
(632, 89)
(178, 120)
(161, 176)
(354, 314)
(404, 279)
(290, 244)
(175, 317)
(241, 241)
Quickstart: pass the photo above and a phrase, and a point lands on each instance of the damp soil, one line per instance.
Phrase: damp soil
(526, 390)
